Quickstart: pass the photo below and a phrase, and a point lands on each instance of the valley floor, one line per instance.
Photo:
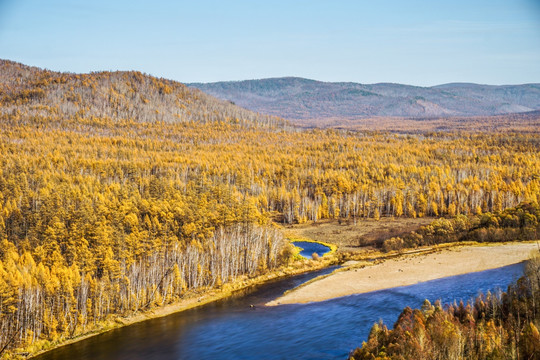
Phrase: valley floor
(407, 270)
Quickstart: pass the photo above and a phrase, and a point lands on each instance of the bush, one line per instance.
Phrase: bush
(395, 243)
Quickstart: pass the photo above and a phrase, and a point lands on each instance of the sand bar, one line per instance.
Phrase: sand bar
(408, 270)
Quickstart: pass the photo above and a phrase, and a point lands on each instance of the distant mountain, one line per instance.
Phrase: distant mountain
(298, 98)
(128, 95)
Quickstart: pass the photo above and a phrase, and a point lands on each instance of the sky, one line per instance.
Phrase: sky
(419, 42)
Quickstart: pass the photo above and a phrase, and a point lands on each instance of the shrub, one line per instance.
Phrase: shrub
(395, 243)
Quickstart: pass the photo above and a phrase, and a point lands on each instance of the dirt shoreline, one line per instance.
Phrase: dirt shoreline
(409, 270)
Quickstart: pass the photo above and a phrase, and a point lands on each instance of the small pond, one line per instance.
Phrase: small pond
(309, 248)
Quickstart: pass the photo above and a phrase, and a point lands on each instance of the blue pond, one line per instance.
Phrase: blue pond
(231, 329)
(308, 248)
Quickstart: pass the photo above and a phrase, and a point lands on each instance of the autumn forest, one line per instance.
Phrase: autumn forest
(120, 192)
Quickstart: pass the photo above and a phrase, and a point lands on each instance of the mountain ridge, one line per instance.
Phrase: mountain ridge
(297, 98)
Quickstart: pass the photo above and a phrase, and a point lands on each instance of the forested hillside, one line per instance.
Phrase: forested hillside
(121, 192)
(114, 95)
(106, 208)
(303, 99)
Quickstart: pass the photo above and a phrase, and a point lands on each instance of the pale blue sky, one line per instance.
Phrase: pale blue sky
(420, 42)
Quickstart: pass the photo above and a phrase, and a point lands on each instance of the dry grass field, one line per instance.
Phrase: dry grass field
(353, 237)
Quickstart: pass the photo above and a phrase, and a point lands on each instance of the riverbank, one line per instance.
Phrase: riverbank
(362, 277)
(191, 300)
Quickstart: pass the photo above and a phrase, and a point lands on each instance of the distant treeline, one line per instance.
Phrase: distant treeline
(493, 326)
(518, 223)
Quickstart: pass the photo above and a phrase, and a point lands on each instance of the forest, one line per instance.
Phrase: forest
(518, 223)
(492, 326)
(120, 192)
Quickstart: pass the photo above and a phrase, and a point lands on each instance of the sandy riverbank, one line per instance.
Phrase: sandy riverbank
(408, 270)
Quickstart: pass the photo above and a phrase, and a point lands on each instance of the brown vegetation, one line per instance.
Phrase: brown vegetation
(519, 223)
(521, 122)
(350, 237)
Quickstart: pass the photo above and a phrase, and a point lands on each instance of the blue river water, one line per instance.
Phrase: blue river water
(232, 329)
(309, 248)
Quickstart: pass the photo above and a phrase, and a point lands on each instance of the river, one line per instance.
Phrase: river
(232, 329)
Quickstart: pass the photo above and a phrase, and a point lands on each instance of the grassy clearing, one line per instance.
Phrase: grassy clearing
(350, 237)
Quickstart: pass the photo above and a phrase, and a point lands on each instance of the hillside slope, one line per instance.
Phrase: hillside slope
(115, 95)
(298, 98)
